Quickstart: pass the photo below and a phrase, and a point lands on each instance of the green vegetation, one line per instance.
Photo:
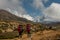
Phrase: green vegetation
(13, 25)
(0, 31)
(8, 35)
(4, 26)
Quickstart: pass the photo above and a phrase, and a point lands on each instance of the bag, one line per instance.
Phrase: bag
(28, 29)
(20, 29)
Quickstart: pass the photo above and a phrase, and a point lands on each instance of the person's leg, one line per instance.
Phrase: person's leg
(29, 36)
(20, 35)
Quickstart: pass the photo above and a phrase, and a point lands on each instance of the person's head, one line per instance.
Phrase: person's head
(28, 24)
(20, 26)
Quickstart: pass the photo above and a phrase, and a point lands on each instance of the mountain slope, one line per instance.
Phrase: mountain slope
(7, 16)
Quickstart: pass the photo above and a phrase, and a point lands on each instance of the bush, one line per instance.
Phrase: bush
(8, 35)
(42, 28)
(4, 26)
(0, 31)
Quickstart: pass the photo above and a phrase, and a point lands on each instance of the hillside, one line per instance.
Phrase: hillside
(7, 16)
(9, 21)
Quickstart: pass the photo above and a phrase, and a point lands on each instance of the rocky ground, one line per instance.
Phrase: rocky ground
(45, 35)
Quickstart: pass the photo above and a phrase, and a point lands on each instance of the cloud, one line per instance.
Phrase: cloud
(38, 4)
(21, 13)
(45, 1)
(15, 7)
(52, 13)
(28, 17)
(9, 4)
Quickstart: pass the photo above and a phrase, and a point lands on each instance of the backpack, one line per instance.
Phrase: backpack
(28, 29)
(20, 29)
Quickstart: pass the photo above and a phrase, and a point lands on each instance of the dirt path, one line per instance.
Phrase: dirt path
(38, 35)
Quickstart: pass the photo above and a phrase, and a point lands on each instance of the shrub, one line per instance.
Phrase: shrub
(0, 31)
(8, 35)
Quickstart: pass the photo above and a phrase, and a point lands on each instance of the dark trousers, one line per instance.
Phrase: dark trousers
(20, 34)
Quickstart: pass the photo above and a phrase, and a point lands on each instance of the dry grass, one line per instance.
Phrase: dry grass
(45, 35)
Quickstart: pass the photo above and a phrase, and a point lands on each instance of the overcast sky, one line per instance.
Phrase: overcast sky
(34, 10)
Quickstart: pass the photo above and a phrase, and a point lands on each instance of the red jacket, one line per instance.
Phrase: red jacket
(19, 29)
(28, 28)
